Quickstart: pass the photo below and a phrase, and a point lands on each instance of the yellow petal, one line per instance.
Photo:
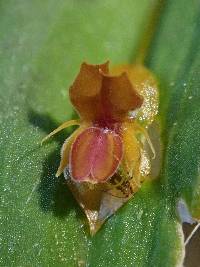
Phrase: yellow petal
(132, 153)
(65, 150)
(60, 128)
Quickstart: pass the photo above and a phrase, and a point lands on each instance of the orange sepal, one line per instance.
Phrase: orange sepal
(146, 85)
(119, 96)
(86, 89)
(98, 96)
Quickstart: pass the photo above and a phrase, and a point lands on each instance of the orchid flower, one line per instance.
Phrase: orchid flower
(106, 138)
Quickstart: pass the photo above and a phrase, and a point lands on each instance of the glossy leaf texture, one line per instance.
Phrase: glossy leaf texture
(42, 44)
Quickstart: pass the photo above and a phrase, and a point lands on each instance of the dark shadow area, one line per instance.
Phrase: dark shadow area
(148, 36)
(53, 192)
(192, 257)
(157, 20)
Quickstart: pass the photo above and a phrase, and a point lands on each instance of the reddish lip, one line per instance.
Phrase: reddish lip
(95, 155)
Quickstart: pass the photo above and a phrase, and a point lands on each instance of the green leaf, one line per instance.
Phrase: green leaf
(42, 44)
(175, 59)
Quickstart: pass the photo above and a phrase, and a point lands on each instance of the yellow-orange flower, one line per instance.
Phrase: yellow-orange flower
(106, 137)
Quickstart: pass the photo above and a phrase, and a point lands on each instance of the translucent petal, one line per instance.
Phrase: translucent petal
(146, 85)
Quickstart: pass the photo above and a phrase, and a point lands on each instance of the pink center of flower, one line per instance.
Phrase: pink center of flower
(106, 124)
(95, 155)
